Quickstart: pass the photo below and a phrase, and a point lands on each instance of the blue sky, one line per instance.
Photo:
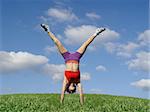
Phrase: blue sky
(115, 63)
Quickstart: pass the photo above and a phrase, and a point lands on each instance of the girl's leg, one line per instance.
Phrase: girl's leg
(59, 45)
(84, 46)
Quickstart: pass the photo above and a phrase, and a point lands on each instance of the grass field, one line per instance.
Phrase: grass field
(50, 103)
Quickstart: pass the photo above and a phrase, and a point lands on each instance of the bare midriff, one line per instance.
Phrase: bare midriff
(72, 65)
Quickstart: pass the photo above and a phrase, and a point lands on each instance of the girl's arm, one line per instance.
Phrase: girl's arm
(81, 93)
(63, 90)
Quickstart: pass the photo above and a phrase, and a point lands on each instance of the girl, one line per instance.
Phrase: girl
(72, 60)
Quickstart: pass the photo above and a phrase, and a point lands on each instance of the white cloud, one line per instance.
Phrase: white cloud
(93, 15)
(44, 19)
(126, 50)
(101, 68)
(16, 61)
(54, 70)
(77, 35)
(61, 14)
(111, 47)
(50, 49)
(85, 76)
(108, 35)
(143, 84)
(141, 62)
(122, 50)
(144, 38)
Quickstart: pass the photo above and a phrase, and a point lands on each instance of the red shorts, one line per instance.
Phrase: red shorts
(70, 75)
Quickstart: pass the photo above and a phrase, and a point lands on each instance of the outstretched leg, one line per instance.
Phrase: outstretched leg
(59, 45)
(82, 49)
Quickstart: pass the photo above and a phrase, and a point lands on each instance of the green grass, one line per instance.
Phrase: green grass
(50, 103)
